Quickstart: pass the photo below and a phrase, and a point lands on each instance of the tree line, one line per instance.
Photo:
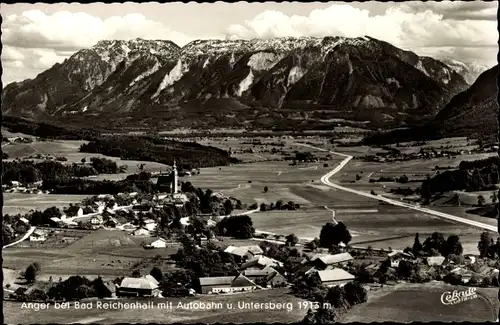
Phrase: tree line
(188, 155)
(471, 176)
(27, 172)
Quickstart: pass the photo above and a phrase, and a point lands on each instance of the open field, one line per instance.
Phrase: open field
(102, 252)
(422, 303)
(219, 314)
(22, 203)
(274, 175)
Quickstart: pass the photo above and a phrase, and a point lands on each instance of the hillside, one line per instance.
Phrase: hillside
(127, 147)
(292, 83)
(471, 113)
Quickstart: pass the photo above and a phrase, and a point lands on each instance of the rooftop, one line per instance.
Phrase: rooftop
(337, 258)
(335, 275)
(147, 282)
(220, 280)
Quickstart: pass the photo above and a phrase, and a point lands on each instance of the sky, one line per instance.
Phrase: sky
(36, 36)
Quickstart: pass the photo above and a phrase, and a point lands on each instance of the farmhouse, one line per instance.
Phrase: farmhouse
(243, 253)
(253, 274)
(139, 287)
(159, 243)
(261, 262)
(215, 284)
(96, 220)
(398, 256)
(149, 224)
(335, 277)
(275, 279)
(38, 235)
(140, 232)
(226, 284)
(337, 259)
(435, 260)
(24, 220)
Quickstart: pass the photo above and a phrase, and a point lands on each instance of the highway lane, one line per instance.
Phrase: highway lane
(326, 180)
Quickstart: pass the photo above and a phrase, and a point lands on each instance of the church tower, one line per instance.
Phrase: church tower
(175, 179)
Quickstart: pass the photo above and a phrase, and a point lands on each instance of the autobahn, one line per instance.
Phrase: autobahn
(326, 180)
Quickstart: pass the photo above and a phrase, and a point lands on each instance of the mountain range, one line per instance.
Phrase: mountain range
(294, 83)
(470, 71)
(472, 113)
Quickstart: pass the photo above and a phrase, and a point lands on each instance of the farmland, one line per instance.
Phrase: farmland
(15, 203)
(103, 252)
(370, 222)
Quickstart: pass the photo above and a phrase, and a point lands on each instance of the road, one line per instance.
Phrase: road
(30, 231)
(326, 180)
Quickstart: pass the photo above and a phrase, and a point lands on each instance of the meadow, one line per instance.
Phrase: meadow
(109, 253)
(22, 203)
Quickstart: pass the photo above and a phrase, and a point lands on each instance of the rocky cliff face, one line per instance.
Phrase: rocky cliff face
(229, 83)
(472, 112)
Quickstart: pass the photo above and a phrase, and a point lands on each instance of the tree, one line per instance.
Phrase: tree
(494, 197)
(266, 189)
(263, 207)
(435, 241)
(136, 274)
(228, 207)
(480, 200)
(83, 160)
(417, 246)
(157, 274)
(453, 246)
(31, 273)
(291, 240)
(310, 317)
(355, 293)
(484, 244)
(334, 234)
(314, 244)
(236, 226)
(336, 297)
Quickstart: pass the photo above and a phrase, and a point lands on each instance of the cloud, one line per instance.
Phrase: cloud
(68, 31)
(39, 40)
(459, 10)
(409, 25)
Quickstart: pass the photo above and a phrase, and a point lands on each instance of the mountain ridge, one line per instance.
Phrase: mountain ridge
(471, 113)
(239, 82)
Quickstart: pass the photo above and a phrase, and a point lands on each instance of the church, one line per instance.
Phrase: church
(170, 183)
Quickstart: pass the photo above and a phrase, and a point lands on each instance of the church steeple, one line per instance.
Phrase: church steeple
(175, 179)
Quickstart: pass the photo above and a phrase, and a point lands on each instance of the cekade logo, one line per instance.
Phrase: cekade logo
(456, 297)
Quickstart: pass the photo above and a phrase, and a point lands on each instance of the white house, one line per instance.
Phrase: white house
(96, 220)
(38, 235)
(159, 243)
(24, 220)
(149, 224)
(335, 277)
